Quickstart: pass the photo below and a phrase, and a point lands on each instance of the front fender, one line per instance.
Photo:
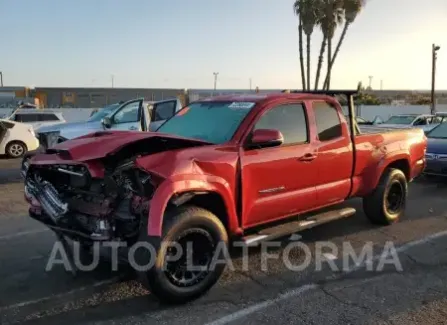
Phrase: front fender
(188, 183)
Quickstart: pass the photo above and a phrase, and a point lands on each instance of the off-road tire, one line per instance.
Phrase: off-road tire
(16, 149)
(176, 221)
(375, 204)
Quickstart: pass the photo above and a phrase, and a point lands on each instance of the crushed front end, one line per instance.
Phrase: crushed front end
(87, 201)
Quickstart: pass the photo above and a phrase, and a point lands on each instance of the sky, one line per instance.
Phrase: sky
(179, 44)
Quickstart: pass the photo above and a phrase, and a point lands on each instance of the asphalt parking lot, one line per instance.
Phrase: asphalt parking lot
(414, 293)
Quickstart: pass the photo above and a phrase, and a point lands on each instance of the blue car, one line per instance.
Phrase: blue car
(436, 155)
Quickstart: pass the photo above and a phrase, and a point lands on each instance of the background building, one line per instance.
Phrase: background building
(52, 97)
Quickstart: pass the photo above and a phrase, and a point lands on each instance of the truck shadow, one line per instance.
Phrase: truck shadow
(128, 298)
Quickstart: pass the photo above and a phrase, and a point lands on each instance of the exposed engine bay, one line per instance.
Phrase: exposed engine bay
(67, 198)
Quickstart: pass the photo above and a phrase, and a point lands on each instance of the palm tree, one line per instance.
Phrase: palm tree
(351, 10)
(332, 16)
(297, 5)
(309, 17)
(320, 59)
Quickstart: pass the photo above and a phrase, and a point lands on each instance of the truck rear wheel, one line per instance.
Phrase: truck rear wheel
(191, 236)
(386, 204)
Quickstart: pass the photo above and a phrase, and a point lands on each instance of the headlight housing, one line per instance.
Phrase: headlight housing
(49, 139)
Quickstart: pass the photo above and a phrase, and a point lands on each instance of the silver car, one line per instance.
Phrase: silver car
(136, 114)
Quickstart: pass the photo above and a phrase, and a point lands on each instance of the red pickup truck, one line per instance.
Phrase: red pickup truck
(244, 168)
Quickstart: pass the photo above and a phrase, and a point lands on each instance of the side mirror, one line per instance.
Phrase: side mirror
(107, 122)
(266, 138)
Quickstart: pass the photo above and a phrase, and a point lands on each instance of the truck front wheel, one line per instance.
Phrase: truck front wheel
(386, 204)
(191, 257)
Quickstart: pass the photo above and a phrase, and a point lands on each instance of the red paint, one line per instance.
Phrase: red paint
(298, 178)
(266, 135)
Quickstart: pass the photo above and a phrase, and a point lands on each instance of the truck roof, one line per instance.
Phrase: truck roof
(255, 98)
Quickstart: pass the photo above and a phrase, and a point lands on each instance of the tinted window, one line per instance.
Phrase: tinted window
(48, 117)
(327, 120)
(290, 120)
(27, 118)
(421, 121)
(163, 111)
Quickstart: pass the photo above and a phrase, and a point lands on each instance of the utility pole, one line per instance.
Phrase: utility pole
(381, 84)
(370, 81)
(435, 48)
(112, 79)
(1, 79)
(250, 84)
(215, 79)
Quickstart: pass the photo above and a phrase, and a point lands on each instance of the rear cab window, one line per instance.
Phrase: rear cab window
(327, 120)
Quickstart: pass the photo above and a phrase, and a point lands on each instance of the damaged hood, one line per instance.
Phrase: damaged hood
(100, 144)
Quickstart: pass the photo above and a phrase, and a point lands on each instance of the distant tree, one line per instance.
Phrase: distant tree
(297, 8)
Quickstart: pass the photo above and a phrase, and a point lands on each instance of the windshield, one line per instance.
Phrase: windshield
(400, 119)
(439, 132)
(103, 112)
(214, 122)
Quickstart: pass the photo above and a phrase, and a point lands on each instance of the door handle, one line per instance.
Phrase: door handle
(308, 157)
(132, 128)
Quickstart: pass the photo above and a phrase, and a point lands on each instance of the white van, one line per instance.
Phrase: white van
(37, 118)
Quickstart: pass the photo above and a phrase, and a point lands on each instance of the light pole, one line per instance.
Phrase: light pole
(435, 49)
(215, 79)
(113, 77)
(1, 79)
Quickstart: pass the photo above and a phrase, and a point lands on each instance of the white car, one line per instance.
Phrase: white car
(423, 121)
(37, 118)
(16, 138)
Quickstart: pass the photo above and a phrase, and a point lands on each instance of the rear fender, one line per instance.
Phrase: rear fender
(194, 183)
(388, 160)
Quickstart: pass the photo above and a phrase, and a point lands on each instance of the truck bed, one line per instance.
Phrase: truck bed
(377, 145)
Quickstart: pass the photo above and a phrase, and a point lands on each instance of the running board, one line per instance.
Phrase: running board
(296, 226)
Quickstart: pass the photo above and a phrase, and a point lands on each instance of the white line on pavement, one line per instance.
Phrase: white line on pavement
(35, 301)
(254, 308)
(23, 233)
(303, 289)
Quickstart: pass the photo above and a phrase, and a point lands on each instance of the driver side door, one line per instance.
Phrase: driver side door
(128, 117)
(161, 112)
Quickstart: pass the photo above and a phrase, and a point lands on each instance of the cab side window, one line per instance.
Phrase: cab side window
(327, 121)
(48, 117)
(26, 118)
(289, 119)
